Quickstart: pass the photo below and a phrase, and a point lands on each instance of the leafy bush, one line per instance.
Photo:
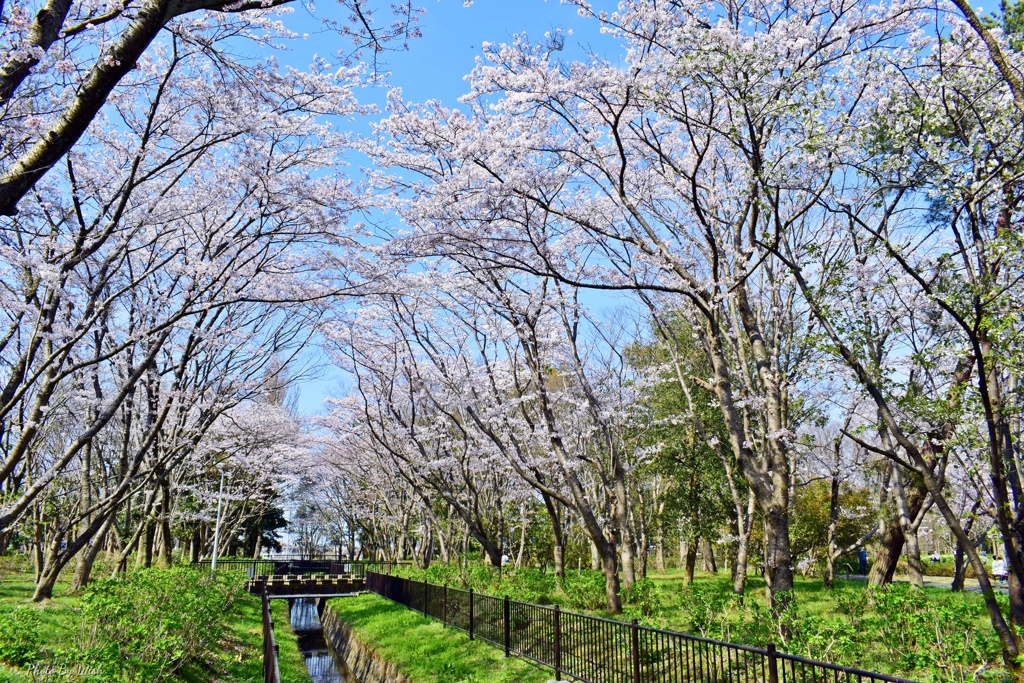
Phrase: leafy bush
(19, 636)
(827, 639)
(440, 573)
(585, 590)
(643, 596)
(528, 585)
(707, 606)
(923, 634)
(150, 623)
(944, 568)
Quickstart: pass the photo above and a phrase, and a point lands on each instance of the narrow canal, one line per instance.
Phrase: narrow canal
(320, 661)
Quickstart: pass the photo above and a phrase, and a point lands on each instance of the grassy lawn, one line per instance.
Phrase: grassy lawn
(930, 634)
(923, 633)
(60, 628)
(427, 651)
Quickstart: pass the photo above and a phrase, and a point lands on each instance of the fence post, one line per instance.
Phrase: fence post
(773, 664)
(634, 632)
(508, 625)
(558, 643)
(471, 614)
(444, 606)
(426, 587)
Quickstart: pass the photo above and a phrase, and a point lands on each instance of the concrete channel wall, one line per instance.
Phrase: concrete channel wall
(365, 665)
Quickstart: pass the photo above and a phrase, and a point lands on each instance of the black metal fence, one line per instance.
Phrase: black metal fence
(597, 650)
(278, 567)
(271, 670)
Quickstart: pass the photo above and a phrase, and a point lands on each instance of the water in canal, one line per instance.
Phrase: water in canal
(319, 660)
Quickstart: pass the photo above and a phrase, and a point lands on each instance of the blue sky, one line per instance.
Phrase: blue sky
(434, 68)
(435, 65)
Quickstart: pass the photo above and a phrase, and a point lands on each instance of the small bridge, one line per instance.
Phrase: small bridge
(291, 566)
(294, 578)
(307, 585)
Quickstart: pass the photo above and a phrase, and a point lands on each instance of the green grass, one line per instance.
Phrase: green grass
(929, 635)
(290, 661)
(57, 621)
(235, 658)
(238, 657)
(425, 650)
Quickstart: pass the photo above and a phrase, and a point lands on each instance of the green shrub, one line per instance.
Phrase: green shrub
(944, 568)
(707, 607)
(585, 590)
(929, 635)
(643, 596)
(19, 636)
(826, 639)
(528, 585)
(440, 573)
(148, 624)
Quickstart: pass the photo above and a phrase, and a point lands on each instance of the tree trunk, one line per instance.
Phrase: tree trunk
(833, 510)
(521, 552)
(778, 566)
(611, 579)
(959, 568)
(147, 545)
(559, 553)
(37, 545)
(595, 557)
(428, 545)
(707, 553)
(659, 553)
(739, 568)
(166, 538)
(642, 547)
(915, 568)
(691, 562)
(625, 534)
(48, 575)
(890, 547)
(83, 570)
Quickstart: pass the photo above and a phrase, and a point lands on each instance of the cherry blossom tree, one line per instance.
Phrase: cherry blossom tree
(934, 217)
(61, 62)
(666, 175)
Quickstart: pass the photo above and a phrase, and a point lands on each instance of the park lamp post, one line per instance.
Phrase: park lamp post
(216, 528)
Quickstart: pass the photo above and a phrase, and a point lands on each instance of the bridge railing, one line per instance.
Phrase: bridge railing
(597, 650)
(271, 567)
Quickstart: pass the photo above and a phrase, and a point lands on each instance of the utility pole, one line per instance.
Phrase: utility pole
(216, 528)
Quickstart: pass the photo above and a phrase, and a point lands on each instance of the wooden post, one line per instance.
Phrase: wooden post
(471, 614)
(558, 643)
(508, 625)
(773, 664)
(634, 629)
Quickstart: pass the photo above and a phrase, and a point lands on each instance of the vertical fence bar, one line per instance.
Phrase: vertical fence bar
(508, 625)
(773, 664)
(471, 614)
(634, 633)
(558, 643)
(444, 606)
